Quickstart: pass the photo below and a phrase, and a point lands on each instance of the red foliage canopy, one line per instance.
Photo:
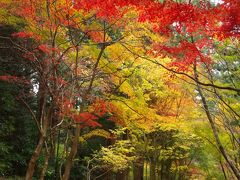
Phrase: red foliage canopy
(86, 119)
(202, 21)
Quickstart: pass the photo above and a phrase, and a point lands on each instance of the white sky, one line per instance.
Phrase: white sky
(216, 1)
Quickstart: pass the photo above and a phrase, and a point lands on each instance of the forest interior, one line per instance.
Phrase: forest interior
(120, 89)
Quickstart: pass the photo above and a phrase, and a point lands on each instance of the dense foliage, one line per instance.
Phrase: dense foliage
(117, 89)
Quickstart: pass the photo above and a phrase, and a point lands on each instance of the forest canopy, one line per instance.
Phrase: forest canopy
(119, 89)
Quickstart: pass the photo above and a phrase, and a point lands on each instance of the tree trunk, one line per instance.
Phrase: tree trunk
(146, 170)
(214, 129)
(108, 176)
(123, 175)
(34, 158)
(42, 121)
(45, 166)
(153, 170)
(138, 170)
(72, 154)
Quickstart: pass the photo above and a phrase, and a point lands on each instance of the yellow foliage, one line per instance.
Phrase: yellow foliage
(96, 132)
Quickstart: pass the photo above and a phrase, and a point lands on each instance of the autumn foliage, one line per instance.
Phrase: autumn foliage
(89, 66)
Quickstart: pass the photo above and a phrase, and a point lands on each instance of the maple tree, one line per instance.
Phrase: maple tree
(94, 60)
(195, 34)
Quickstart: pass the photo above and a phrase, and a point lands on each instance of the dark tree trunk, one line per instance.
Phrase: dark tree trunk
(45, 166)
(72, 154)
(138, 170)
(123, 175)
(34, 158)
(109, 176)
(153, 170)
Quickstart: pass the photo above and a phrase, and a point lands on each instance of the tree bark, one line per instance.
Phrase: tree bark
(138, 170)
(72, 154)
(34, 158)
(123, 175)
(214, 129)
(152, 170)
(74, 147)
(45, 166)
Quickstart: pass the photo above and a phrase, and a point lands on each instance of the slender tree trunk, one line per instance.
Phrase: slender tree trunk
(138, 170)
(161, 171)
(45, 166)
(34, 158)
(222, 167)
(152, 170)
(123, 175)
(72, 154)
(43, 121)
(109, 176)
(74, 147)
(146, 170)
(56, 157)
(214, 129)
